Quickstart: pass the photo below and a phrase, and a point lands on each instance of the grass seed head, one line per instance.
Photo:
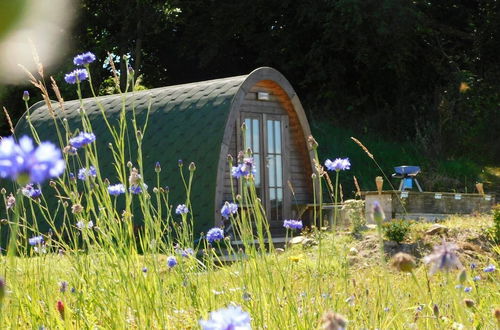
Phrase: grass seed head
(403, 262)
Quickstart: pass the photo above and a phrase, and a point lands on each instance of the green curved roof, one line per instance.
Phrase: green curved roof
(185, 122)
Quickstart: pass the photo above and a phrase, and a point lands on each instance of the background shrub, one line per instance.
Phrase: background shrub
(396, 230)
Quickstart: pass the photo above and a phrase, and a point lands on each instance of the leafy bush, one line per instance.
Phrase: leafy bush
(396, 230)
(355, 213)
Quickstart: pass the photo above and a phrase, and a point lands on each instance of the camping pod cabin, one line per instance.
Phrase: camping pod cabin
(200, 122)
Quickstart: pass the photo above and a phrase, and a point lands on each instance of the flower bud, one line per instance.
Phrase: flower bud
(26, 96)
(192, 167)
(180, 163)
(333, 321)
(378, 213)
(229, 158)
(243, 127)
(167, 189)
(155, 190)
(106, 182)
(2, 289)
(4, 221)
(435, 310)
(157, 167)
(52, 183)
(129, 164)
(462, 276)
(313, 144)
(60, 308)
(139, 134)
(3, 191)
(76, 208)
(403, 262)
(469, 302)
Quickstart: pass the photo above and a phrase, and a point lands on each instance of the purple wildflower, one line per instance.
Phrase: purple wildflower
(84, 59)
(473, 266)
(171, 261)
(378, 213)
(292, 224)
(30, 191)
(244, 169)
(215, 234)
(26, 96)
(36, 240)
(232, 317)
(82, 139)
(228, 209)
(138, 188)
(339, 164)
(116, 189)
(443, 258)
(80, 225)
(63, 286)
(25, 163)
(85, 173)
(181, 209)
(76, 76)
(185, 252)
(144, 269)
(468, 289)
(476, 278)
(489, 269)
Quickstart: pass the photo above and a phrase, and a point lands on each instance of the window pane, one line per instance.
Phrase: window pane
(248, 141)
(279, 171)
(256, 162)
(270, 137)
(277, 136)
(271, 166)
(255, 135)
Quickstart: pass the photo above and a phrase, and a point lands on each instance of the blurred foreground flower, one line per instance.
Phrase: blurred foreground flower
(181, 209)
(171, 262)
(29, 24)
(30, 191)
(443, 258)
(232, 317)
(403, 262)
(25, 163)
(378, 213)
(333, 321)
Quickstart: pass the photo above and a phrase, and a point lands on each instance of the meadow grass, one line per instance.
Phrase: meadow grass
(280, 291)
(106, 274)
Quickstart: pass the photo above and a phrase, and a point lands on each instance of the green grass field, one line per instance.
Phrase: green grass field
(290, 290)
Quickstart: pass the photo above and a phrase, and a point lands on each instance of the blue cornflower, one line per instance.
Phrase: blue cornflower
(228, 209)
(185, 252)
(85, 173)
(244, 168)
(83, 59)
(473, 266)
(36, 240)
(292, 224)
(443, 258)
(30, 191)
(181, 209)
(476, 278)
(339, 164)
(215, 234)
(171, 261)
(76, 76)
(63, 286)
(489, 269)
(378, 214)
(116, 189)
(468, 289)
(232, 317)
(82, 139)
(25, 163)
(138, 188)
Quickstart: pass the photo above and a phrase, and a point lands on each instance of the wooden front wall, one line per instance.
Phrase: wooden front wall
(295, 154)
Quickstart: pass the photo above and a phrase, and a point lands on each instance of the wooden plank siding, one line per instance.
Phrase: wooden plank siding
(298, 161)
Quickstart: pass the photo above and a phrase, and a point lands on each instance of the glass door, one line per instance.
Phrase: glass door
(265, 136)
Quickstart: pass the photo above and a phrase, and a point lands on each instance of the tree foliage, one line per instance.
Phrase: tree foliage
(423, 71)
